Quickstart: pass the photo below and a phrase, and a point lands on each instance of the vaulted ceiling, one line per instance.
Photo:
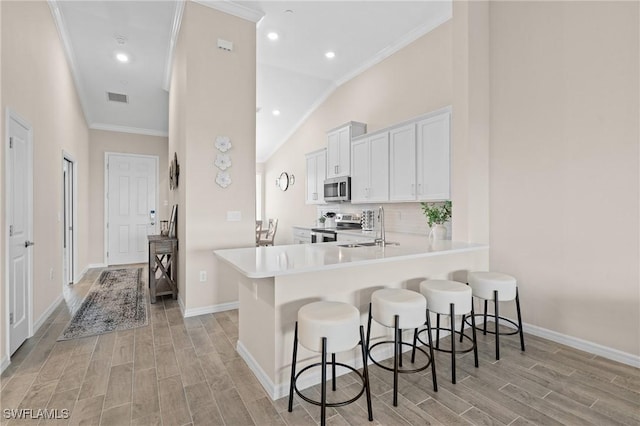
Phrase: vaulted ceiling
(293, 74)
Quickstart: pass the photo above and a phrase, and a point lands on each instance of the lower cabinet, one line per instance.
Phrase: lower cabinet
(301, 235)
(352, 237)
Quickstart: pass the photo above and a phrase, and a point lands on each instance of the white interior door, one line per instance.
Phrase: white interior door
(20, 218)
(131, 206)
(68, 222)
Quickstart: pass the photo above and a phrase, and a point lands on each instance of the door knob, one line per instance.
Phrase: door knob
(28, 243)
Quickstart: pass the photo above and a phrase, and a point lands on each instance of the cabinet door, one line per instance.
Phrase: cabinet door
(402, 163)
(378, 168)
(433, 143)
(333, 154)
(359, 171)
(344, 143)
(321, 174)
(312, 184)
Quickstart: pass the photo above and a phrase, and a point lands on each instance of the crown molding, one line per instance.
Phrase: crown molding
(125, 129)
(71, 59)
(175, 31)
(233, 8)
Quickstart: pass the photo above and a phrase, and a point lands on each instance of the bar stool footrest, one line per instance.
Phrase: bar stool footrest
(400, 370)
(330, 404)
(502, 333)
(458, 351)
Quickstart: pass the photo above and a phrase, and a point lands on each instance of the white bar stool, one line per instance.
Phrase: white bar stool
(499, 288)
(400, 309)
(451, 298)
(329, 327)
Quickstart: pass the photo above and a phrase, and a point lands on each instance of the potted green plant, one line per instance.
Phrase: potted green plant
(437, 214)
(321, 221)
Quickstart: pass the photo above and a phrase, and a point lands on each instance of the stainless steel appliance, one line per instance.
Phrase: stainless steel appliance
(342, 221)
(337, 189)
(323, 235)
(368, 221)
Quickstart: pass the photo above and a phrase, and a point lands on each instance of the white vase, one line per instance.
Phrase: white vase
(438, 232)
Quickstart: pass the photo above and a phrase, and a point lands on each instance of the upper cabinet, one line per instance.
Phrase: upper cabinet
(434, 158)
(402, 163)
(370, 169)
(316, 173)
(339, 148)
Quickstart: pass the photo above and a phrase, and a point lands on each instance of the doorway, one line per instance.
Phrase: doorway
(131, 194)
(68, 222)
(19, 213)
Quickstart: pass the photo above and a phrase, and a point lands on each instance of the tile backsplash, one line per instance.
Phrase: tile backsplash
(400, 217)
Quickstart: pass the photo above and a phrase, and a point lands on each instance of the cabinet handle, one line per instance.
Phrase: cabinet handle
(335, 169)
(419, 188)
(366, 193)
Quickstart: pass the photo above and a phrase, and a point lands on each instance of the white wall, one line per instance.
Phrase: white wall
(565, 162)
(213, 93)
(413, 81)
(37, 84)
(101, 142)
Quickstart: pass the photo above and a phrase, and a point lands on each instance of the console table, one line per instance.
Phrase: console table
(163, 260)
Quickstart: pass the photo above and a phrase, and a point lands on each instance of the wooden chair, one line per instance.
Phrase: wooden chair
(267, 240)
(258, 231)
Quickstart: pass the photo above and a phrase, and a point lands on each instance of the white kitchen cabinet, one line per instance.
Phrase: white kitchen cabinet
(402, 163)
(301, 235)
(433, 148)
(370, 169)
(339, 148)
(351, 237)
(316, 172)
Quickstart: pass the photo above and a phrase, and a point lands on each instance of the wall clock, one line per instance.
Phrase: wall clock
(174, 172)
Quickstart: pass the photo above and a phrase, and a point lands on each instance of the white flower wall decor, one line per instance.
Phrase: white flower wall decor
(223, 161)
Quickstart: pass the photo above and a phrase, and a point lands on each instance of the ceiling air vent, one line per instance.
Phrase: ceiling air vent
(118, 97)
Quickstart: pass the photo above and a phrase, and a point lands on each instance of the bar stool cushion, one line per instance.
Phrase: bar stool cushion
(483, 285)
(337, 321)
(441, 293)
(410, 306)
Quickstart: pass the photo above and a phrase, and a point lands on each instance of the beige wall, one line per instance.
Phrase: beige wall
(37, 84)
(213, 94)
(564, 165)
(102, 142)
(415, 80)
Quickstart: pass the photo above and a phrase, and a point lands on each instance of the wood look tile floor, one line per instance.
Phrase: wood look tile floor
(178, 371)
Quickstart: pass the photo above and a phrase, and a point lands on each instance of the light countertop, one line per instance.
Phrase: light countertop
(264, 262)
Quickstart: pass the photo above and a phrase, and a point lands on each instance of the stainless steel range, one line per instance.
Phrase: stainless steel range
(343, 221)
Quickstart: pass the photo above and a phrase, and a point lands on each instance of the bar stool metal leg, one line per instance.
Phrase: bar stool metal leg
(462, 325)
(495, 303)
(333, 372)
(475, 339)
(396, 355)
(365, 373)
(323, 391)
(485, 317)
(519, 320)
(452, 321)
(438, 331)
(415, 341)
(400, 345)
(369, 329)
(433, 358)
(293, 367)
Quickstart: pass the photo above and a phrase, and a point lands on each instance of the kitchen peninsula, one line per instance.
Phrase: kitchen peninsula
(274, 282)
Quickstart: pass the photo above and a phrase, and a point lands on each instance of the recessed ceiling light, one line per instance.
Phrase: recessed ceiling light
(272, 36)
(288, 11)
(122, 57)
(276, 112)
(330, 55)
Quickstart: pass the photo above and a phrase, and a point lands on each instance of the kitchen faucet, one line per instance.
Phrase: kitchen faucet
(382, 240)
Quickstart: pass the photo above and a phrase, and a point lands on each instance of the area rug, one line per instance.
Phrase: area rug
(116, 301)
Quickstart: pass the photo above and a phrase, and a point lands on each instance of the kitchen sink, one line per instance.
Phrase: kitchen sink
(368, 244)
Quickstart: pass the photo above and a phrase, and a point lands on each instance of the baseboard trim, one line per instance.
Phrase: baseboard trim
(212, 309)
(4, 363)
(253, 365)
(584, 345)
(45, 315)
(577, 343)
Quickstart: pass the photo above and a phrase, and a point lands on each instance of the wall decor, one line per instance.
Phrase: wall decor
(285, 181)
(223, 179)
(174, 172)
(223, 143)
(223, 161)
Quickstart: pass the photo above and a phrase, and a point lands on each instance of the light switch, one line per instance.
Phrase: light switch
(234, 216)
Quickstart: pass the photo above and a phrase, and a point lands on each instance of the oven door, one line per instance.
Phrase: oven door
(323, 237)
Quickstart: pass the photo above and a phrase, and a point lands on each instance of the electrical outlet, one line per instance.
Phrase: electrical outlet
(203, 276)
(51, 274)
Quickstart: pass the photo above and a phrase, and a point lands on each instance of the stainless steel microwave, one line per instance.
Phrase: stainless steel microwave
(337, 189)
